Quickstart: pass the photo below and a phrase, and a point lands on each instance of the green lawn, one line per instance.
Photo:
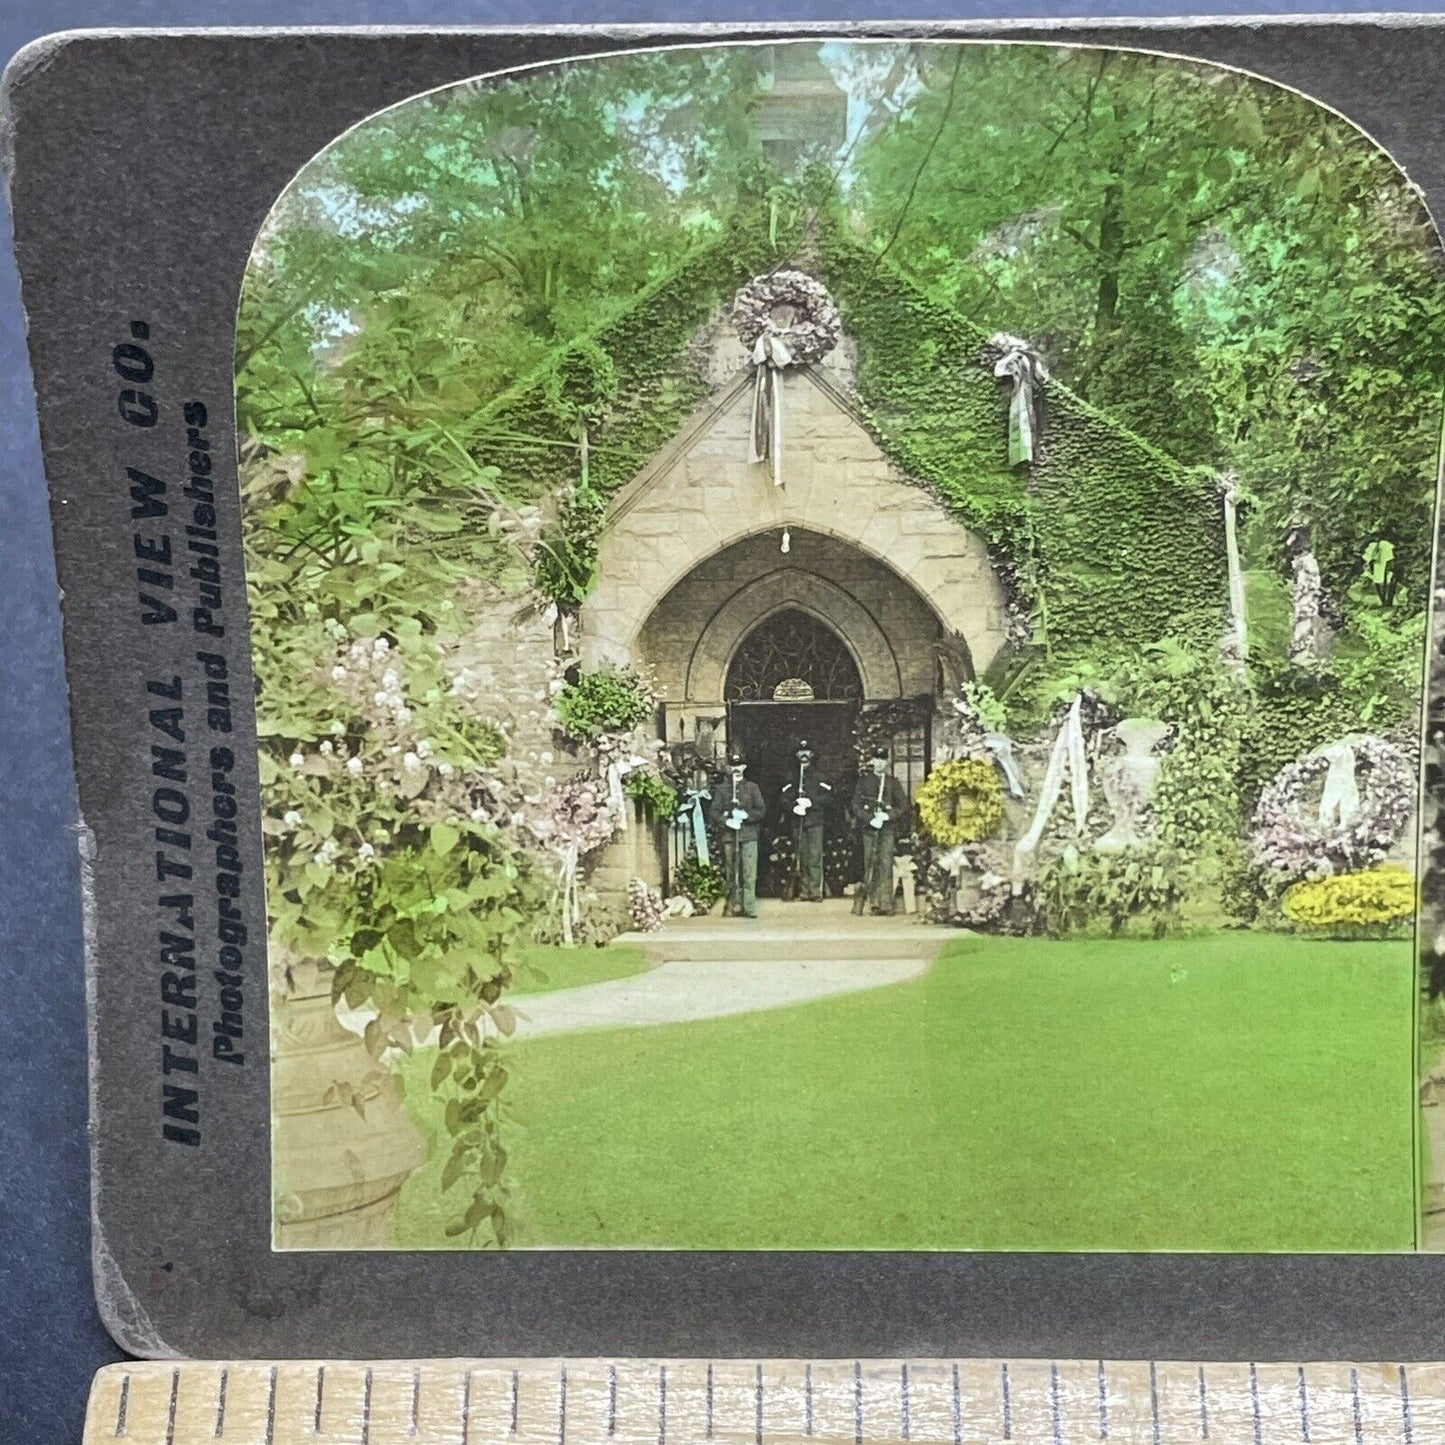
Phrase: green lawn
(545, 968)
(1225, 1092)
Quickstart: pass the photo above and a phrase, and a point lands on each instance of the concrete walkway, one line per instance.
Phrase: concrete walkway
(684, 992)
(713, 967)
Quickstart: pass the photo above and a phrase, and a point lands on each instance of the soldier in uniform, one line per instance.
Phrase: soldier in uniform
(879, 811)
(737, 810)
(804, 801)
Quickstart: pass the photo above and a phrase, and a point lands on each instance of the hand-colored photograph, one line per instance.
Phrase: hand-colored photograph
(840, 635)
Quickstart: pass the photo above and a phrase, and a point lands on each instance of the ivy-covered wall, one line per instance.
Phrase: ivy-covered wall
(1108, 543)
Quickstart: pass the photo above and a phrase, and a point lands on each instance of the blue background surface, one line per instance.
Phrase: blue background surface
(51, 1337)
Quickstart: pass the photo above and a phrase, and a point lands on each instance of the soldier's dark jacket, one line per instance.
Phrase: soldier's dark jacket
(865, 801)
(748, 796)
(810, 786)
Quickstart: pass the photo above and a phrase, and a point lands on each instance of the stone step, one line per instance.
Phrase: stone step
(790, 932)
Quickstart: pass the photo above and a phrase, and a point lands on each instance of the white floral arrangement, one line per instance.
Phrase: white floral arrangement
(646, 907)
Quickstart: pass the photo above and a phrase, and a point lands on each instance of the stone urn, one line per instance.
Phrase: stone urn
(1128, 780)
(337, 1165)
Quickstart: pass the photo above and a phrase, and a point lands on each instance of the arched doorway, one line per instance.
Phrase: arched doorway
(793, 677)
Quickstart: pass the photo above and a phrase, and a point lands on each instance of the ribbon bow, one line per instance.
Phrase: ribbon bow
(770, 356)
(1026, 368)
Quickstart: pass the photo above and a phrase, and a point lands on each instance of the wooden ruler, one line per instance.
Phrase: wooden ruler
(780, 1402)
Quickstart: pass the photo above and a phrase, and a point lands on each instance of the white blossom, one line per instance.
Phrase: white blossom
(411, 762)
(327, 748)
(338, 673)
(297, 760)
(291, 818)
(353, 766)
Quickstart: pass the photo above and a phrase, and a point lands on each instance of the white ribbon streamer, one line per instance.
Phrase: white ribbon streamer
(1067, 756)
(616, 770)
(567, 878)
(765, 431)
(616, 798)
(1239, 651)
(1002, 749)
(1340, 799)
(693, 810)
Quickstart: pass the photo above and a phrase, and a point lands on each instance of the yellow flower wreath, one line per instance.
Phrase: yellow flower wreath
(961, 801)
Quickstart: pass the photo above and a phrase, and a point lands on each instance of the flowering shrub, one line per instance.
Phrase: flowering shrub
(1289, 836)
(1083, 893)
(1368, 902)
(609, 700)
(575, 815)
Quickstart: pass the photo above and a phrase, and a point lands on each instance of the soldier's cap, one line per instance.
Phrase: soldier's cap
(879, 752)
(737, 760)
(803, 746)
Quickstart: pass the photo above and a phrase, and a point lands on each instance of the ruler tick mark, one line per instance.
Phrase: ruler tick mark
(1055, 1423)
(1008, 1419)
(857, 1402)
(1103, 1403)
(1203, 1406)
(415, 1399)
(562, 1408)
(758, 1404)
(957, 1408)
(516, 1394)
(903, 1393)
(807, 1400)
(709, 1401)
(467, 1406)
(612, 1399)
(171, 1409)
(662, 1405)
(1406, 1425)
(320, 1387)
(1254, 1401)
(1355, 1407)
(366, 1410)
(1304, 1408)
(271, 1408)
(221, 1404)
(1154, 1400)
(124, 1406)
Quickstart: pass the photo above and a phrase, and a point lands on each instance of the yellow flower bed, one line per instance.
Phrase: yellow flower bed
(961, 801)
(1354, 900)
